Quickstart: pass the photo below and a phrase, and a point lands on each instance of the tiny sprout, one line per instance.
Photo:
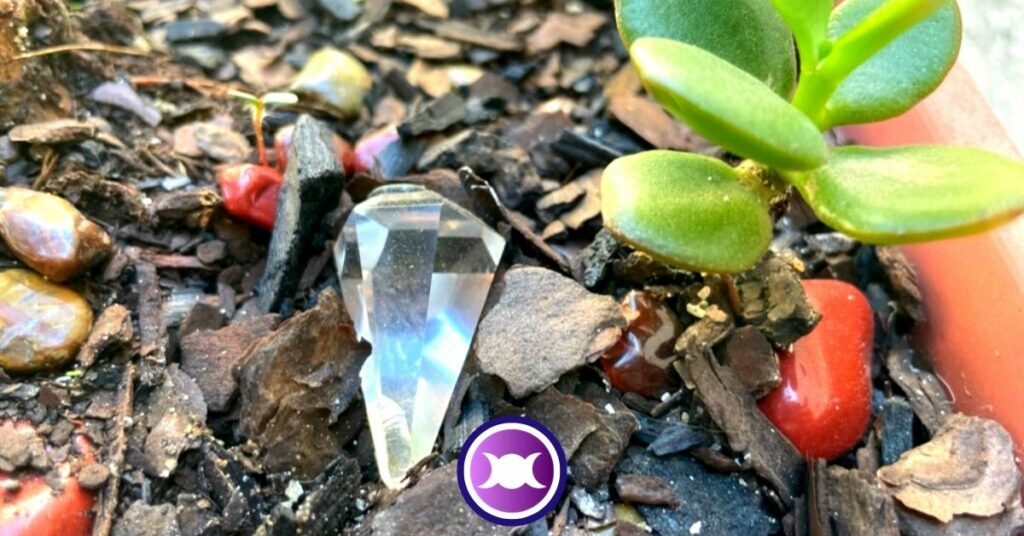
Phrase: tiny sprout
(864, 61)
(259, 105)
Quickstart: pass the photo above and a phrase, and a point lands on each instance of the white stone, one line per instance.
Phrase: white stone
(415, 270)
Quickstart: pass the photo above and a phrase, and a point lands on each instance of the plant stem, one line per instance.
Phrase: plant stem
(257, 125)
(855, 47)
(764, 181)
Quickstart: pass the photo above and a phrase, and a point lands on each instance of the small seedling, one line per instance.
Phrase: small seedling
(728, 69)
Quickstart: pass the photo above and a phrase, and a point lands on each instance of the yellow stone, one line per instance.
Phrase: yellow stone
(335, 80)
(42, 324)
(49, 234)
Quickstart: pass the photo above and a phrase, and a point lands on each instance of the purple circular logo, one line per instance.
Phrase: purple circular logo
(512, 471)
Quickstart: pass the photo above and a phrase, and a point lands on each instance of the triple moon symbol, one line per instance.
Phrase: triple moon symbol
(512, 471)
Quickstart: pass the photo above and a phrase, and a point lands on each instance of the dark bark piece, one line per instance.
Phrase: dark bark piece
(295, 385)
(191, 208)
(590, 266)
(752, 359)
(487, 201)
(111, 333)
(816, 505)
(858, 505)
(601, 450)
(924, 390)
(311, 188)
(210, 357)
(506, 167)
(436, 116)
(896, 429)
(736, 412)
(152, 331)
(644, 489)
(327, 509)
(434, 506)
(650, 121)
(772, 299)
(569, 417)
(967, 468)
(711, 502)
(903, 278)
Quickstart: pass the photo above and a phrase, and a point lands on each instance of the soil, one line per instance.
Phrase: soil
(212, 412)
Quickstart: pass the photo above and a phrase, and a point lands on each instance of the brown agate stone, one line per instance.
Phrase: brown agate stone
(641, 361)
(42, 324)
(49, 234)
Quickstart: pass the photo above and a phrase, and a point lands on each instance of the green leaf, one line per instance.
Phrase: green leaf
(686, 210)
(808, 19)
(747, 33)
(913, 193)
(726, 105)
(901, 74)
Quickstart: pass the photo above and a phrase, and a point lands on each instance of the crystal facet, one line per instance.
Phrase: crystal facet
(415, 270)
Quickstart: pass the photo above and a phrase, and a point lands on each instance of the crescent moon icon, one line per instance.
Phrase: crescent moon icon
(531, 480)
(492, 480)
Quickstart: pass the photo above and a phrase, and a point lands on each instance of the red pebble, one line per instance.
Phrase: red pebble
(36, 509)
(283, 144)
(369, 148)
(641, 361)
(824, 402)
(250, 193)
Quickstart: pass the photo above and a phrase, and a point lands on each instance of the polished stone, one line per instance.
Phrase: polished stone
(42, 324)
(415, 270)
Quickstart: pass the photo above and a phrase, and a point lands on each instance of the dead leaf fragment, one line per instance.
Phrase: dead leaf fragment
(967, 468)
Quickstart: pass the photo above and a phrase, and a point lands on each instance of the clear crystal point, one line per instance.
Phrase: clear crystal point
(415, 270)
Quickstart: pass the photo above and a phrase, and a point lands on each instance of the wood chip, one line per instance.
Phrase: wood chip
(858, 505)
(473, 35)
(434, 8)
(58, 131)
(576, 30)
(736, 412)
(967, 468)
(923, 389)
(650, 121)
(646, 489)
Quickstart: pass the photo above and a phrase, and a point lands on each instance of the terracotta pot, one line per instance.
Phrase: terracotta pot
(973, 288)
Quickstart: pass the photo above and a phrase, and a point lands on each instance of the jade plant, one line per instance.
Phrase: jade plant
(764, 79)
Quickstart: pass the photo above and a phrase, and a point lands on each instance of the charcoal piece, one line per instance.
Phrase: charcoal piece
(858, 505)
(924, 390)
(590, 266)
(190, 30)
(736, 413)
(772, 299)
(679, 438)
(589, 152)
(230, 485)
(311, 188)
(641, 269)
(717, 504)
(506, 167)
(897, 429)
(436, 116)
(753, 360)
(332, 503)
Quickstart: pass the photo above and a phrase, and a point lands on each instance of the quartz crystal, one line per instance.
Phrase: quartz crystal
(415, 270)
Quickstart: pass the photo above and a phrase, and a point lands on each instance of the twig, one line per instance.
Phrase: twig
(75, 47)
(105, 519)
